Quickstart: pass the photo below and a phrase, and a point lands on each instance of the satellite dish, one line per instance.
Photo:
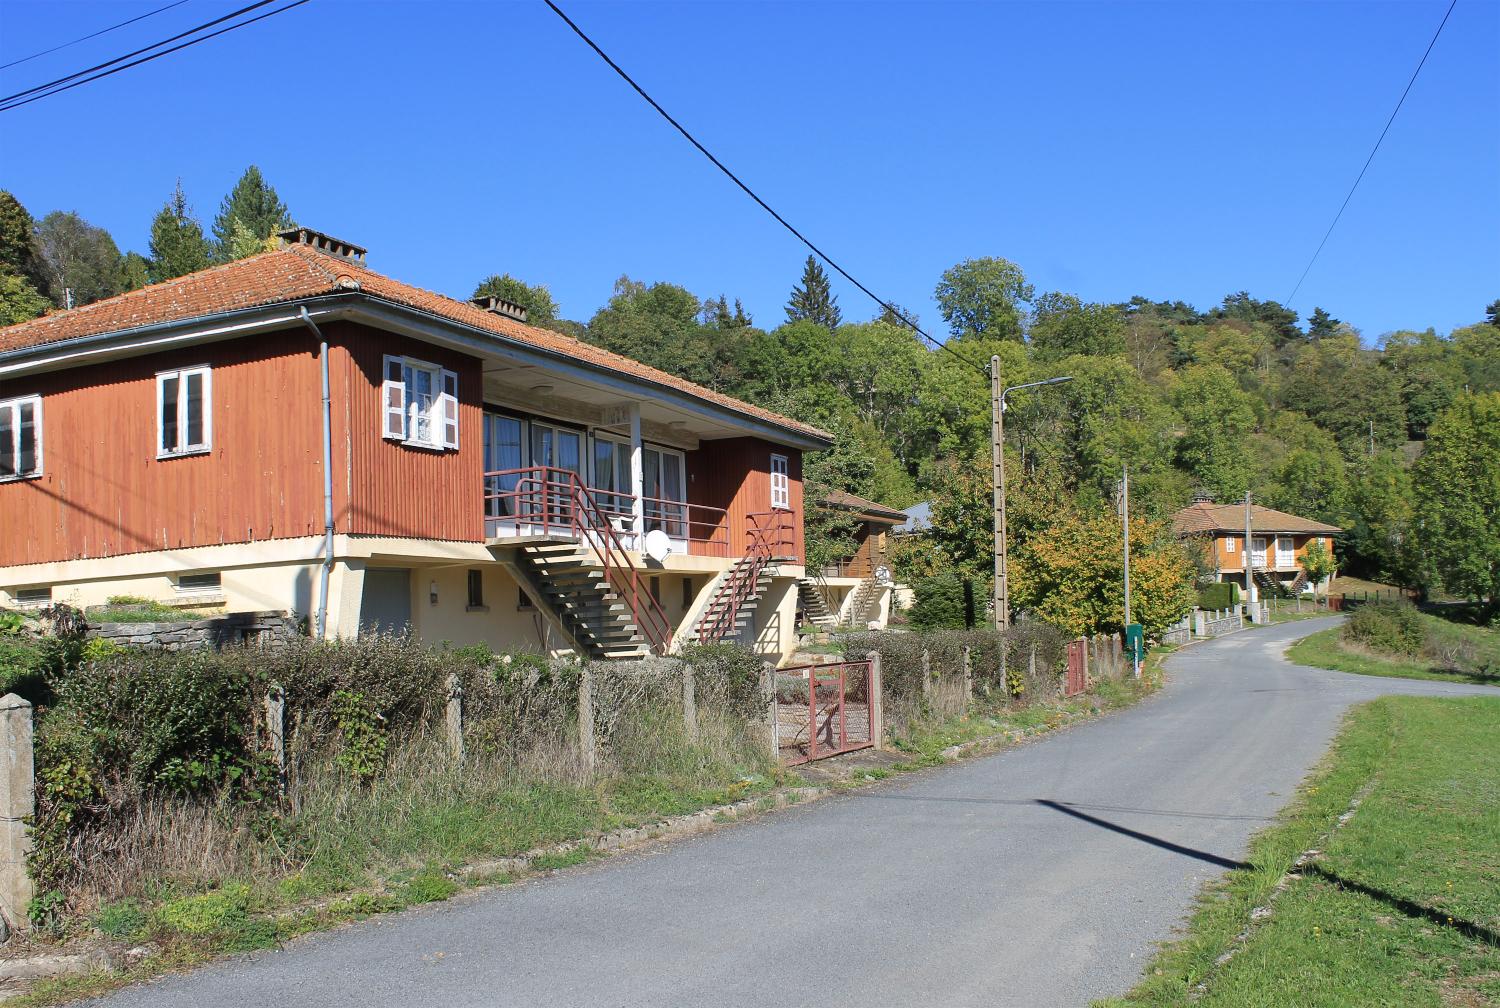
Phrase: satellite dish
(658, 545)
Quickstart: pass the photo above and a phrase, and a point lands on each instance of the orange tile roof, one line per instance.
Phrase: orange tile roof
(868, 508)
(295, 272)
(1207, 517)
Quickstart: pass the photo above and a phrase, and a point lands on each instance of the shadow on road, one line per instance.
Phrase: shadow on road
(1146, 838)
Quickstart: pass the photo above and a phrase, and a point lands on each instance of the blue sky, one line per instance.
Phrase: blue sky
(1171, 150)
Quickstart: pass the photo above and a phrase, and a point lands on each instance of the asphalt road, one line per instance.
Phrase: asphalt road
(1039, 876)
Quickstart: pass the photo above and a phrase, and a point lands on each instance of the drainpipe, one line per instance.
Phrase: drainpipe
(320, 623)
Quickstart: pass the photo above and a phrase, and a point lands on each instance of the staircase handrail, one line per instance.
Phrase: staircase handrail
(540, 488)
(768, 531)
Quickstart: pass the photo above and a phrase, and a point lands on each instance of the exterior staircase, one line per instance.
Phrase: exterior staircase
(814, 605)
(578, 597)
(1268, 585)
(864, 607)
(733, 605)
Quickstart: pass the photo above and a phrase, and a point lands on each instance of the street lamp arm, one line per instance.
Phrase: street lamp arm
(1035, 384)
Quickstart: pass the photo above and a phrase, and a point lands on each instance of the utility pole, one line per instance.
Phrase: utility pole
(1250, 558)
(1125, 521)
(997, 451)
(1372, 438)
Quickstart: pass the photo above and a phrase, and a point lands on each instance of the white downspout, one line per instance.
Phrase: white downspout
(320, 623)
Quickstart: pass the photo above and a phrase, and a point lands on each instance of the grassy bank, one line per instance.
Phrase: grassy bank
(1396, 908)
(1456, 652)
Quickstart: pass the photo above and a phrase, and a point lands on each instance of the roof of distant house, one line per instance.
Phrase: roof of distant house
(297, 272)
(1208, 517)
(864, 508)
(918, 518)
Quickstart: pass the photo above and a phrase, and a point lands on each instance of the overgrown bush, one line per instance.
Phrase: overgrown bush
(940, 602)
(1219, 595)
(727, 677)
(1393, 628)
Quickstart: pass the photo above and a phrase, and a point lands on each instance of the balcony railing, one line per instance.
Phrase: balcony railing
(517, 499)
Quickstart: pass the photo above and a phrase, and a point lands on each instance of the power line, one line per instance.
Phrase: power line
(130, 55)
(6, 107)
(751, 193)
(101, 31)
(1378, 142)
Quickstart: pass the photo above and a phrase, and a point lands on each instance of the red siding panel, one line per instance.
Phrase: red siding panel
(103, 491)
(735, 474)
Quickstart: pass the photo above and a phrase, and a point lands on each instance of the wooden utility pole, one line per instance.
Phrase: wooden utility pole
(1125, 522)
(997, 450)
(1250, 591)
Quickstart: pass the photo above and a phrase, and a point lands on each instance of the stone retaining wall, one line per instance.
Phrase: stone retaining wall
(266, 629)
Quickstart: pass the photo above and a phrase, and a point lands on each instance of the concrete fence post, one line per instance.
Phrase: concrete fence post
(17, 801)
(689, 704)
(926, 675)
(586, 744)
(768, 687)
(1031, 664)
(968, 674)
(1200, 623)
(454, 719)
(875, 697)
(276, 731)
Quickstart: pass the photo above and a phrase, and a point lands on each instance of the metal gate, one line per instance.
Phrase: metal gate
(1077, 680)
(822, 710)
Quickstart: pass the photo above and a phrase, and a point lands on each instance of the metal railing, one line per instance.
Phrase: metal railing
(770, 537)
(548, 500)
(830, 690)
(705, 527)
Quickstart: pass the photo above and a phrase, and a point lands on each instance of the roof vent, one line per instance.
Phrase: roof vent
(500, 306)
(1202, 497)
(327, 244)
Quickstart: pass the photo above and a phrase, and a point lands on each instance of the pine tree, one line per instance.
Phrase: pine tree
(248, 217)
(1320, 324)
(18, 244)
(177, 243)
(813, 300)
(135, 271)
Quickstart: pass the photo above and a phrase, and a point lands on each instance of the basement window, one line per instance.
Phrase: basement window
(32, 598)
(21, 438)
(523, 601)
(687, 593)
(419, 404)
(476, 591)
(194, 585)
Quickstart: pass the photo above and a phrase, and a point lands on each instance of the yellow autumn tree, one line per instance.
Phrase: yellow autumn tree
(1072, 575)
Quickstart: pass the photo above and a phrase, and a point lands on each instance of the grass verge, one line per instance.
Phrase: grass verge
(1396, 907)
(1480, 648)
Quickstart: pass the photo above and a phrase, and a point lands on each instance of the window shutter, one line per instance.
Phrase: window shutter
(448, 407)
(393, 400)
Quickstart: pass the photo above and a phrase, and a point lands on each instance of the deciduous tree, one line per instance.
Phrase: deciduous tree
(1457, 485)
(541, 309)
(78, 257)
(984, 298)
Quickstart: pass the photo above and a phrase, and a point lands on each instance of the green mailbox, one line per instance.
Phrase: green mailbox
(1135, 642)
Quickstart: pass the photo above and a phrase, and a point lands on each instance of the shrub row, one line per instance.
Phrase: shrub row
(1393, 628)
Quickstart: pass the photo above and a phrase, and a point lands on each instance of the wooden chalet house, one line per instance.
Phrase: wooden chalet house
(1277, 543)
(294, 431)
(856, 590)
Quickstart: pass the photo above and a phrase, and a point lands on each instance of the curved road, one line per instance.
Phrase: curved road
(1039, 876)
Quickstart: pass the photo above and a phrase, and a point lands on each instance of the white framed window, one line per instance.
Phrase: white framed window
(419, 404)
(184, 412)
(21, 438)
(781, 492)
(1229, 542)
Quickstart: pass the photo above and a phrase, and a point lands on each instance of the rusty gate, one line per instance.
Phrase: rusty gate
(1077, 679)
(822, 710)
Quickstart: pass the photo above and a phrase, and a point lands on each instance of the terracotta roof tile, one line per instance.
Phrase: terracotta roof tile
(1206, 517)
(851, 502)
(295, 272)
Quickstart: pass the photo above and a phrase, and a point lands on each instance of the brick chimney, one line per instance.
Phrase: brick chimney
(500, 306)
(324, 243)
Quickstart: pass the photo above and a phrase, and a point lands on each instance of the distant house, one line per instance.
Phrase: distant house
(855, 590)
(918, 520)
(1277, 542)
(295, 431)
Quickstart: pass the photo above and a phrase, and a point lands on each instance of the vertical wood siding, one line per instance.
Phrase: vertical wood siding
(103, 491)
(395, 490)
(735, 474)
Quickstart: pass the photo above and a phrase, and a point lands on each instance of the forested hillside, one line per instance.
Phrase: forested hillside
(1310, 417)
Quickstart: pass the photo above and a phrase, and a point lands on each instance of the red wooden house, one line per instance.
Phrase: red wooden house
(294, 431)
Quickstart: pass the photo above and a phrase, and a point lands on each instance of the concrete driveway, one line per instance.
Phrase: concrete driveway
(1039, 876)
